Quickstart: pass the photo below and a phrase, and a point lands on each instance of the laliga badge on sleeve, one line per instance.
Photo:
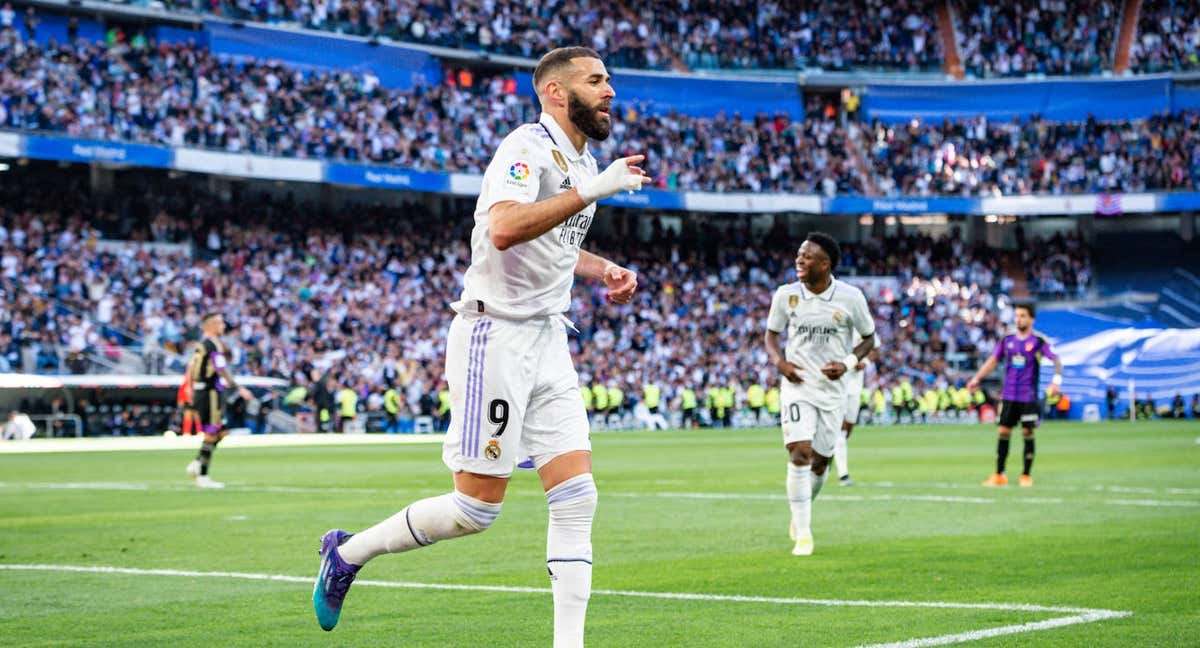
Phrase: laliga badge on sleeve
(492, 451)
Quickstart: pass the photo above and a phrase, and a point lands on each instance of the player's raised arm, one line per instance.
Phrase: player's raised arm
(513, 222)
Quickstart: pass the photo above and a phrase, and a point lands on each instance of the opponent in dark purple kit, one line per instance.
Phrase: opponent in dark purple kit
(1022, 353)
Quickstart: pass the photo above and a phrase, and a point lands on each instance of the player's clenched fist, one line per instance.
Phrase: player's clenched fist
(621, 283)
(621, 175)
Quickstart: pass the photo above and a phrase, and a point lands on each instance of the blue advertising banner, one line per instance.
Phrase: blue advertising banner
(1106, 99)
(78, 150)
(861, 205)
(646, 199)
(1169, 202)
(386, 177)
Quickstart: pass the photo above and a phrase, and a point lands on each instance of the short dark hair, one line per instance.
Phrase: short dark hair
(556, 59)
(828, 244)
(209, 315)
(1029, 308)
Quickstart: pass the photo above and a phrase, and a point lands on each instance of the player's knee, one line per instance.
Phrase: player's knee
(820, 464)
(573, 502)
(472, 515)
(802, 455)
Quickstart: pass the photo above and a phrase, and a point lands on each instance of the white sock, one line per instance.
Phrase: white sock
(799, 492)
(839, 455)
(818, 481)
(421, 524)
(569, 556)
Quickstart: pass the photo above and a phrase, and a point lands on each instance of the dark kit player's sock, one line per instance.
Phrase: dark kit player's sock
(205, 455)
(1001, 455)
(1028, 455)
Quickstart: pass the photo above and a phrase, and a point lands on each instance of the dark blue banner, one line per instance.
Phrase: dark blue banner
(386, 177)
(77, 150)
(860, 205)
(396, 67)
(696, 96)
(1106, 99)
(646, 199)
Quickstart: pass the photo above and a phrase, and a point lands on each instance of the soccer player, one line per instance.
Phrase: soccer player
(1022, 354)
(854, 387)
(513, 387)
(209, 374)
(820, 315)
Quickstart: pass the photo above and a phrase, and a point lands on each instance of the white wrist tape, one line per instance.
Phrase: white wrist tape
(851, 361)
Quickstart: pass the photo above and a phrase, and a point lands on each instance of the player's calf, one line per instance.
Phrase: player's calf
(572, 506)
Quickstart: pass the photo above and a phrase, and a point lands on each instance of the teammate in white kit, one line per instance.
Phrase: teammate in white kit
(513, 387)
(854, 380)
(821, 316)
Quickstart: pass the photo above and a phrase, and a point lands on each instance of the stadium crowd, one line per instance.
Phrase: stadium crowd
(985, 157)
(1048, 37)
(1168, 37)
(364, 303)
(697, 33)
(182, 95)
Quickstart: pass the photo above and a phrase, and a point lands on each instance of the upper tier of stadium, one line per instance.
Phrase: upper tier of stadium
(959, 37)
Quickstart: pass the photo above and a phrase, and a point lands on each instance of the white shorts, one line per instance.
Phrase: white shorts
(514, 394)
(802, 421)
(852, 406)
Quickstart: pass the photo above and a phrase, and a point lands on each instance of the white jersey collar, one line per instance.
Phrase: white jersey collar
(559, 136)
(825, 296)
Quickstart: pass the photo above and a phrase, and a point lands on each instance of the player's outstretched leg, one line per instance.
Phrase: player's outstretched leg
(569, 555)
(420, 524)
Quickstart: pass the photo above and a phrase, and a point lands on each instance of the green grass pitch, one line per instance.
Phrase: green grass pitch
(1113, 523)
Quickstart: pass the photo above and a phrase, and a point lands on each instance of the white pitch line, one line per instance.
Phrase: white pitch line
(1077, 615)
(976, 635)
(937, 499)
(1145, 490)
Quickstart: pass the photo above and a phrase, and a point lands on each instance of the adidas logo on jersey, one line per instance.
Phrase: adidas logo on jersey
(566, 184)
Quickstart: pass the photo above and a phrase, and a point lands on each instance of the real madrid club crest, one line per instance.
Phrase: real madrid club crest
(492, 451)
(838, 316)
(793, 301)
(559, 159)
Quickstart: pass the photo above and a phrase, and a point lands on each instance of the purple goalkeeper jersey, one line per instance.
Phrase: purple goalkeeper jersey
(1022, 357)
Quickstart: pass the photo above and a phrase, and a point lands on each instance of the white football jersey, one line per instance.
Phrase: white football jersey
(530, 279)
(820, 329)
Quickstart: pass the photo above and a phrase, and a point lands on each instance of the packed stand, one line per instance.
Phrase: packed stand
(1041, 37)
(180, 95)
(655, 35)
(982, 157)
(364, 307)
(1168, 37)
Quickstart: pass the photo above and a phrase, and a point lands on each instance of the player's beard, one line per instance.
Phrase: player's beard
(586, 119)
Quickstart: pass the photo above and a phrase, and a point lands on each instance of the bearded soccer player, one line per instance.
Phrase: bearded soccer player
(821, 316)
(1022, 354)
(513, 387)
